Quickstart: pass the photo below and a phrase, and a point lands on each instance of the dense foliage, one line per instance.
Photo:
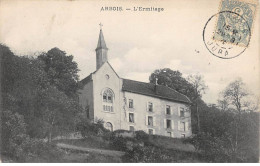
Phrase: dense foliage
(88, 128)
(39, 99)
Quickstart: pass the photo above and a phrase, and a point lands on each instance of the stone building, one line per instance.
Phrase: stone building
(133, 105)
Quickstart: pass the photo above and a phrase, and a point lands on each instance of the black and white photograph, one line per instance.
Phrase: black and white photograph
(129, 81)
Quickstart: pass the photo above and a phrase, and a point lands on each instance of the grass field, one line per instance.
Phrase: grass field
(90, 142)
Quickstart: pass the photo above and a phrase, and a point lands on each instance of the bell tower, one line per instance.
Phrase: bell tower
(101, 50)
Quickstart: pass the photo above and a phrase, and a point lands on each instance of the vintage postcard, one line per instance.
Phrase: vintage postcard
(129, 81)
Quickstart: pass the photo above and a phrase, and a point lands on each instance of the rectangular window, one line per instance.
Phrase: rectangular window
(168, 110)
(168, 124)
(183, 136)
(150, 131)
(169, 134)
(150, 107)
(182, 112)
(183, 126)
(150, 121)
(131, 117)
(108, 108)
(131, 103)
(131, 128)
(87, 112)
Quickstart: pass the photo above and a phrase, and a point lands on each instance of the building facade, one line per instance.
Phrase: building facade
(133, 105)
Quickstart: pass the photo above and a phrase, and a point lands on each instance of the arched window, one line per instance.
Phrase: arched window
(108, 99)
(109, 126)
(108, 96)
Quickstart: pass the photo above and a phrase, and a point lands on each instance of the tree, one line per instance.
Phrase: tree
(47, 104)
(61, 70)
(235, 93)
(174, 80)
(57, 110)
(13, 134)
(199, 87)
(236, 98)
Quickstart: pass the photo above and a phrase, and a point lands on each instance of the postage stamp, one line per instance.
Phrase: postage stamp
(235, 22)
(227, 33)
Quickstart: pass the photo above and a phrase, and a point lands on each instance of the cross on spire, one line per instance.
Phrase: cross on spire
(100, 25)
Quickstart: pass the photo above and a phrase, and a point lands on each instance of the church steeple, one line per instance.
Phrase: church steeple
(101, 50)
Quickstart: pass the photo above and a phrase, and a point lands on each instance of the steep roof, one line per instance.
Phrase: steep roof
(149, 90)
(86, 79)
(89, 77)
(101, 41)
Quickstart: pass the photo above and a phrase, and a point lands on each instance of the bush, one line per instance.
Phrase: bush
(118, 143)
(211, 149)
(17, 145)
(13, 135)
(147, 154)
(141, 135)
(87, 128)
(124, 140)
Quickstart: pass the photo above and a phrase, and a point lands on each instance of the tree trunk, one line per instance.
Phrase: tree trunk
(198, 117)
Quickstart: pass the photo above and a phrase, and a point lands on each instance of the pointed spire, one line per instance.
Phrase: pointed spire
(101, 50)
(101, 41)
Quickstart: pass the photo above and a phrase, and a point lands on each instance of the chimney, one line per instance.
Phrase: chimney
(156, 86)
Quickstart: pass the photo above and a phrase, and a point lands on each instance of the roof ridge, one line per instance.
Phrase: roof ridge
(137, 81)
(157, 95)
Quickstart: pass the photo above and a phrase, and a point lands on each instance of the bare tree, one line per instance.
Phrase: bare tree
(199, 87)
(223, 104)
(237, 97)
(198, 84)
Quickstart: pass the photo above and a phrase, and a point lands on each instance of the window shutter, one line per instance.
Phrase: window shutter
(146, 120)
(147, 106)
(154, 121)
(179, 111)
(179, 125)
(165, 123)
(165, 109)
(186, 126)
(172, 124)
(171, 110)
(127, 117)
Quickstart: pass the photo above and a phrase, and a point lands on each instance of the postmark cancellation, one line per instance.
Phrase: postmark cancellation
(235, 22)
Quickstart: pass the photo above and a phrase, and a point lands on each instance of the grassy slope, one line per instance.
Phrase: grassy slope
(171, 143)
(91, 142)
(183, 152)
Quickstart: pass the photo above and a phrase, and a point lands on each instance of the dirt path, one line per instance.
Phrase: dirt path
(100, 151)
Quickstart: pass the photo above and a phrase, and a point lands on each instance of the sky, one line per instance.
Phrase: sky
(139, 42)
